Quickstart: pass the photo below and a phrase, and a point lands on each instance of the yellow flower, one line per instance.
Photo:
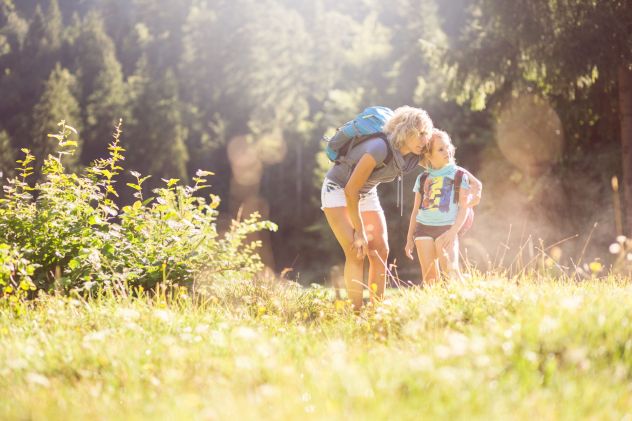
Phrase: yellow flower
(340, 305)
(595, 267)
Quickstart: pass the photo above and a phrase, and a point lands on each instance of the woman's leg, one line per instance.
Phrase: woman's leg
(375, 227)
(340, 224)
(449, 260)
(426, 252)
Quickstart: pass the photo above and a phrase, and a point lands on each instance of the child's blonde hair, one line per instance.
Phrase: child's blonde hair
(427, 150)
(406, 121)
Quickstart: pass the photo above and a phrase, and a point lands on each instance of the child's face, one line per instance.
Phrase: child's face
(439, 157)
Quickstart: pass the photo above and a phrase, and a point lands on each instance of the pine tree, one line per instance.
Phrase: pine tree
(58, 102)
(45, 31)
(13, 29)
(7, 155)
(155, 137)
(32, 67)
(103, 95)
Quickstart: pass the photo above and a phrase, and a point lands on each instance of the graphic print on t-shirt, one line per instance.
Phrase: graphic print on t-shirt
(437, 194)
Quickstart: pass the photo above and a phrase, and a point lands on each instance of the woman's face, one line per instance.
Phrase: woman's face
(415, 143)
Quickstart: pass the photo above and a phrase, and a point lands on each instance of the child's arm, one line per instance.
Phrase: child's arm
(476, 189)
(411, 227)
(447, 237)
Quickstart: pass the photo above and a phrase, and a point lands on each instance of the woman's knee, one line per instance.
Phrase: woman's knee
(379, 253)
(351, 256)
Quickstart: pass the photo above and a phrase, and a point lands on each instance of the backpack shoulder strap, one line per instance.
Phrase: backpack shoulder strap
(422, 191)
(458, 179)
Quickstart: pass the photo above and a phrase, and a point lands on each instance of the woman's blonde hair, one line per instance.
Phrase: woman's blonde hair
(427, 150)
(407, 121)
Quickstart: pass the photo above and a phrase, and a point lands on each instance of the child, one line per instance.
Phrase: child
(441, 209)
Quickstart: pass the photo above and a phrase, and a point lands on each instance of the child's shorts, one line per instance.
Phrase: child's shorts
(429, 231)
(333, 196)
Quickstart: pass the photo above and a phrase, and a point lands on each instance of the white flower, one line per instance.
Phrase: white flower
(245, 333)
(38, 379)
(163, 315)
(548, 325)
(621, 238)
(98, 336)
(421, 363)
(201, 328)
(128, 313)
(572, 303)
(615, 248)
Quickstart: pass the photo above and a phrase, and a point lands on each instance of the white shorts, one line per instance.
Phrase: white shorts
(333, 196)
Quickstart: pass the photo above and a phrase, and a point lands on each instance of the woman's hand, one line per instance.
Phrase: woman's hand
(446, 239)
(360, 243)
(408, 249)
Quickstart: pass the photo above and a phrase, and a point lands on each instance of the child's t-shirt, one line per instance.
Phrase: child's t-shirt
(437, 206)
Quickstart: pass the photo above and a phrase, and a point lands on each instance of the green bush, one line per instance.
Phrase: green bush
(68, 229)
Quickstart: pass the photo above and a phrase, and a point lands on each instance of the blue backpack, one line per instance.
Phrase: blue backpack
(366, 125)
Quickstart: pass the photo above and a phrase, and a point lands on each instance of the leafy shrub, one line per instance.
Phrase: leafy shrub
(74, 237)
(15, 276)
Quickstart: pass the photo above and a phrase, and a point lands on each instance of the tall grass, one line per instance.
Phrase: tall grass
(488, 349)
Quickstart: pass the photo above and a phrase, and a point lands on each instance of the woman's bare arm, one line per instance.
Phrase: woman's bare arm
(358, 178)
(408, 249)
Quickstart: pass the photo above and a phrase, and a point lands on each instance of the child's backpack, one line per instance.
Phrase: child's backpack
(458, 178)
(366, 125)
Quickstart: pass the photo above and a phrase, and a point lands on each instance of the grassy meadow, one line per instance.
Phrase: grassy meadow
(489, 349)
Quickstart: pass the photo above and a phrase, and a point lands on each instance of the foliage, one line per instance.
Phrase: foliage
(68, 229)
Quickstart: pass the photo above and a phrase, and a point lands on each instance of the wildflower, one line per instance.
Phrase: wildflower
(246, 333)
(163, 315)
(595, 267)
(98, 336)
(621, 239)
(127, 313)
(572, 303)
(615, 248)
(340, 305)
(38, 380)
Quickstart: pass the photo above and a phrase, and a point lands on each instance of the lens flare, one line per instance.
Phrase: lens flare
(529, 133)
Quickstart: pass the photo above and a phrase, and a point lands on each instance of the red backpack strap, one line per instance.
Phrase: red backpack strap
(422, 191)
(458, 179)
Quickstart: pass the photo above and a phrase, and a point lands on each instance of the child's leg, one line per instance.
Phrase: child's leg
(427, 259)
(449, 260)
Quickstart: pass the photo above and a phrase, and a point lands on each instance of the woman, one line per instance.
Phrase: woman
(350, 202)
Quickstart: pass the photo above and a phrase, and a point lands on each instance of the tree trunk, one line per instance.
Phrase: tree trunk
(299, 181)
(625, 111)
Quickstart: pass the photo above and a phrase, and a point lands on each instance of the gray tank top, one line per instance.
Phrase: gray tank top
(377, 148)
